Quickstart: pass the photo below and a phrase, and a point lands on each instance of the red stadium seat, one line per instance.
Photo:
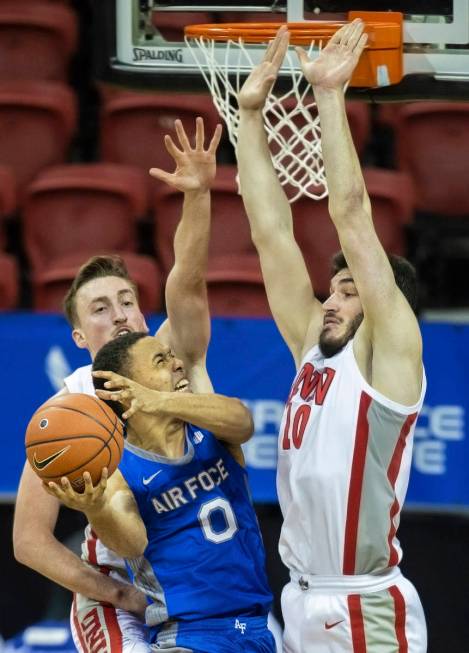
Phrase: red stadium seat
(51, 285)
(37, 40)
(37, 121)
(391, 198)
(171, 24)
(133, 126)
(230, 232)
(236, 288)
(433, 148)
(7, 199)
(9, 282)
(82, 208)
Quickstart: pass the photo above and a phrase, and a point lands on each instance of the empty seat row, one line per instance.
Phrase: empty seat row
(37, 39)
(72, 212)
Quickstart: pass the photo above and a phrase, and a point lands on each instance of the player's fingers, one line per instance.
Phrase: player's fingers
(51, 488)
(302, 56)
(174, 151)
(162, 175)
(269, 51)
(356, 30)
(104, 394)
(182, 136)
(103, 374)
(103, 479)
(283, 36)
(340, 34)
(128, 413)
(215, 139)
(199, 133)
(88, 483)
(111, 377)
(122, 396)
(66, 487)
(361, 44)
(118, 382)
(134, 407)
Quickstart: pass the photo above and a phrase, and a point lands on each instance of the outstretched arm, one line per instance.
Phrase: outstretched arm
(36, 546)
(111, 509)
(389, 327)
(186, 291)
(296, 311)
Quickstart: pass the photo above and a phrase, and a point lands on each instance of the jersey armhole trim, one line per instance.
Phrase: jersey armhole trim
(385, 401)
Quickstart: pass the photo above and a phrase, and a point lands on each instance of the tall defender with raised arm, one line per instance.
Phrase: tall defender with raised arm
(346, 438)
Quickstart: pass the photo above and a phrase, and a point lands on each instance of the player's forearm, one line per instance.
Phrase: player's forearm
(186, 291)
(226, 417)
(347, 192)
(118, 531)
(265, 201)
(191, 240)
(49, 557)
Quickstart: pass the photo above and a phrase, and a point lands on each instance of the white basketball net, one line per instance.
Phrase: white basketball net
(291, 119)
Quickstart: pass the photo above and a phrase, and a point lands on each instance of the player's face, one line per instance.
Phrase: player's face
(106, 308)
(155, 366)
(343, 314)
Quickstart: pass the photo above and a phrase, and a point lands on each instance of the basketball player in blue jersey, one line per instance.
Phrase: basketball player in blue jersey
(101, 305)
(178, 508)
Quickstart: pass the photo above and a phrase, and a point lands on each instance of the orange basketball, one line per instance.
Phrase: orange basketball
(71, 434)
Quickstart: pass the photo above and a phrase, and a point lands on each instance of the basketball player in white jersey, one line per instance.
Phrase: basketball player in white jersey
(101, 305)
(346, 437)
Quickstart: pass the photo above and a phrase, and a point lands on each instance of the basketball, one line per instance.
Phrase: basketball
(71, 434)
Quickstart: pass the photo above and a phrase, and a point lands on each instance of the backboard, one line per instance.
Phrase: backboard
(136, 53)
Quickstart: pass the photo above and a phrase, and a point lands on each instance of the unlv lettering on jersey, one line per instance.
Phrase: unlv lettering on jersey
(312, 385)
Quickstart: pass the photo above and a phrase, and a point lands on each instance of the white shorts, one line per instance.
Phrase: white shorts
(102, 628)
(359, 614)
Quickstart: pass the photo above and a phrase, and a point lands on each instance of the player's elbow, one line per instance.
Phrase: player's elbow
(348, 205)
(24, 549)
(134, 546)
(246, 423)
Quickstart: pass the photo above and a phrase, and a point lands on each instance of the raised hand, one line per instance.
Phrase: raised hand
(90, 500)
(255, 89)
(195, 166)
(133, 396)
(335, 64)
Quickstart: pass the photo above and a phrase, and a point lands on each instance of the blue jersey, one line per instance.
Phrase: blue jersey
(205, 557)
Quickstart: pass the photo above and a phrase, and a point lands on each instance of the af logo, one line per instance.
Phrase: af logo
(240, 625)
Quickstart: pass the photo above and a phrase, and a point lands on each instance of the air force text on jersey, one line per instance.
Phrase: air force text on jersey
(181, 494)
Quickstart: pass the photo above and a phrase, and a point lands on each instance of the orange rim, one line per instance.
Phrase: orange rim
(380, 63)
(381, 33)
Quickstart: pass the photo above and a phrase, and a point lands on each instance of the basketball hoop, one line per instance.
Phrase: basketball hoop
(291, 119)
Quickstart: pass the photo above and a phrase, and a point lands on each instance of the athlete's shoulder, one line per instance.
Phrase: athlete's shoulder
(80, 380)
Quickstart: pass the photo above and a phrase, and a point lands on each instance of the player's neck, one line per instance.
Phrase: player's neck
(165, 437)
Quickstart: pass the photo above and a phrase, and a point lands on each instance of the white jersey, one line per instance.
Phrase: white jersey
(345, 454)
(93, 550)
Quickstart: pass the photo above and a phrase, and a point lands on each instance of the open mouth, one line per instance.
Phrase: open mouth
(122, 332)
(181, 385)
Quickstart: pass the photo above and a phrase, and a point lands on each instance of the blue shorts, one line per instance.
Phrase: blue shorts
(247, 634)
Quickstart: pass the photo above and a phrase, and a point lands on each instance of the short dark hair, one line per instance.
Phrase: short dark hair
(95, 268)
(114, 356)
(404, 275)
